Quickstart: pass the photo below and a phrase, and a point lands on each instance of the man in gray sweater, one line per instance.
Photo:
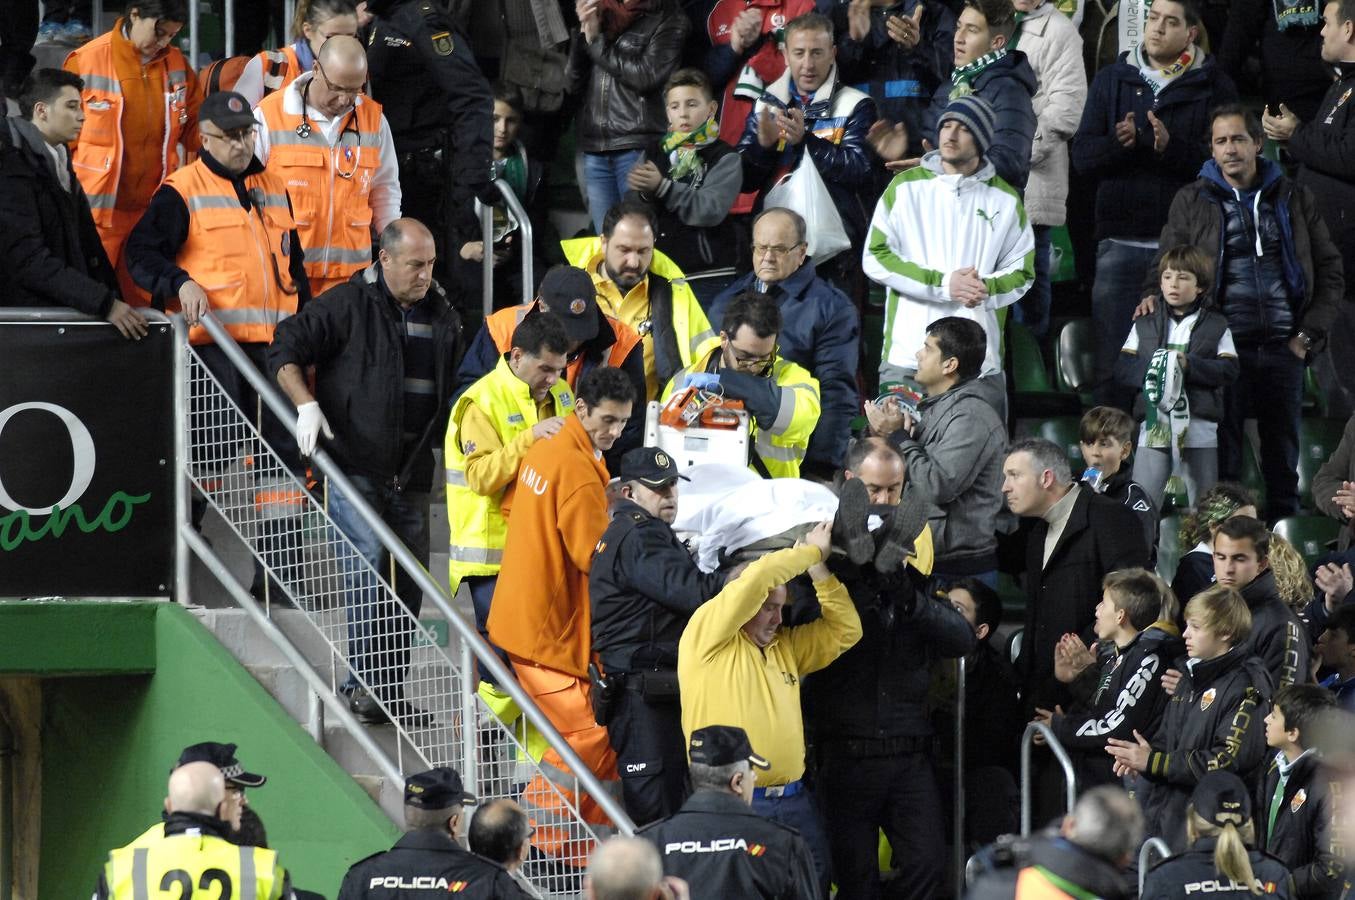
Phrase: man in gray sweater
(953, 447)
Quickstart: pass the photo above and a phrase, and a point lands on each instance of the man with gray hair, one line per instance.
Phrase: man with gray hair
(1086, 857)
(820, 327)
(1078, 538)
(629, 869)
(430, 856)
(717, 840)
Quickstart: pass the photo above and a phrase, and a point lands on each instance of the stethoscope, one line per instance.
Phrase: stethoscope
(305, 129)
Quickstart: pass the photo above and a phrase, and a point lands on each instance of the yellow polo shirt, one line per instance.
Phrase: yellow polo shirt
(726, 679)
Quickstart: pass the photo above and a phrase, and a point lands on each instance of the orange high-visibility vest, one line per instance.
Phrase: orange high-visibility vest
(239, 257)
(331, 186)
(504, 322)
(280, 68)
(98, 154)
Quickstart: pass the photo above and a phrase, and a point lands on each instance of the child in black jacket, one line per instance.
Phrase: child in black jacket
(1213, 721)
(1295, 813)
(1179, 358)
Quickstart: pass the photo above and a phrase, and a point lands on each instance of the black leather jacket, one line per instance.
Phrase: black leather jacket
(621, 80)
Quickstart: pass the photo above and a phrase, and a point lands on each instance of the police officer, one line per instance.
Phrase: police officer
(237, 780)
(193, 854)
(429, 858)
(717, 842)
(643, 586)
(441, 113)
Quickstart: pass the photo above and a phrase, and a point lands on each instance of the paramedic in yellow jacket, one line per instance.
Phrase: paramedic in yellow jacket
(781, 397)
(737, 666)
(645, 289)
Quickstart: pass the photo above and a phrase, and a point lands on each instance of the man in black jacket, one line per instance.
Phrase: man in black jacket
(868, 713)
(385, 347)
(429, 858)
(1324, 146)
(440, 111)
(1079, 537)
(50, 253)
(1144, 133)
(1278, 638)
(643, 587)
(719, 845)
(1278, 280)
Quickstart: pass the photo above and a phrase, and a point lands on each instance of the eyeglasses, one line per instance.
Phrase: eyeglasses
(337, 88)
(753, 363)
(238, 136)
(774, 249)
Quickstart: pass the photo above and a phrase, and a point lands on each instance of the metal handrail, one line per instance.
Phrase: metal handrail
(271, 631)
(487, 239)
(1150, 846)
(1069, 775)
(487, 658)
(958, 836)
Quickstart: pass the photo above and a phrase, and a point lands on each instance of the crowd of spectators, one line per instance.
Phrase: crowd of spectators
(835, 220)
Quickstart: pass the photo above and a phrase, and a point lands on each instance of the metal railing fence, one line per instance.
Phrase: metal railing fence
(306, 556)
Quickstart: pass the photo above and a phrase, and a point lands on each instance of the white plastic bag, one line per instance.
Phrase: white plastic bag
(803, 191)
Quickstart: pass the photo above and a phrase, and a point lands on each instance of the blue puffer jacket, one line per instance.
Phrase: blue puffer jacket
(1136, 185)
(821, 331)
(1008, 85)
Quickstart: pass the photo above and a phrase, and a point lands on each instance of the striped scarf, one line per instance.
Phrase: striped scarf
(682, 148)
(961, 79)
(1167, 413)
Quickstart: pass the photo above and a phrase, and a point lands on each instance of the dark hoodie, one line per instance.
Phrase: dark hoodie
(1126, 696)
(1277, 637)
(1009, 86)
(1214, 721)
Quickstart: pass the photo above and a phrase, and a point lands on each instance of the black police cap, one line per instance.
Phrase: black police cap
(1220, 798)
(223, 757)
(723, 745)
(650, 466)
(439, 788)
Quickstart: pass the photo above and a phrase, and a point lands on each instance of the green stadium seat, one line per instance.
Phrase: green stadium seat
(1317, 442)
(1062, 430)
(1169, 548)
(1075, 359)
(1311, 536)
(1034, 393)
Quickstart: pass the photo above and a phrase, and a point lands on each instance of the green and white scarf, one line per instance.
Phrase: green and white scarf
(681, 148)
(962, 79)
(1164, 393)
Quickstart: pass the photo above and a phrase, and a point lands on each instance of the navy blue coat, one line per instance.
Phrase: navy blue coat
(1136, 185)
(1008, 85)
(821, 331)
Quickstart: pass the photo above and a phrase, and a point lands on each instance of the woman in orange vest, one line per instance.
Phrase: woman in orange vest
(314, 22)
(140, 121)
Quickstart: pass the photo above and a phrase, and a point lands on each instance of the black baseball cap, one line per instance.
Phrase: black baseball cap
(568, 291)
(226, 110)
(439, 788)
(649, 466)
(1220, 798)
(223, 757)
(723, 745)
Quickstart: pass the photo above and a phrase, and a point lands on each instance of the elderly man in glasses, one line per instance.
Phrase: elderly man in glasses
(334, 148)
(820, 327)
(781, 397)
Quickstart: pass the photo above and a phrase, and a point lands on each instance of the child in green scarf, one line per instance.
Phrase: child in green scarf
(1180, 357)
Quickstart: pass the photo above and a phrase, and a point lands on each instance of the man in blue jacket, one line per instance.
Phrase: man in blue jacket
(809, 110)
(1144, 134)
(821, 330)
(986, 64)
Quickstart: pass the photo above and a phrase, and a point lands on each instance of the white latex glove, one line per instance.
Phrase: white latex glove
(309, 423)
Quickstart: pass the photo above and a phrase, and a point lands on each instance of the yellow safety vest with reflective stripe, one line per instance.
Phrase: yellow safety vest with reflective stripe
(193, 865)
(241, 258)
(781, 447)
(476, 522)
(695, 337)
